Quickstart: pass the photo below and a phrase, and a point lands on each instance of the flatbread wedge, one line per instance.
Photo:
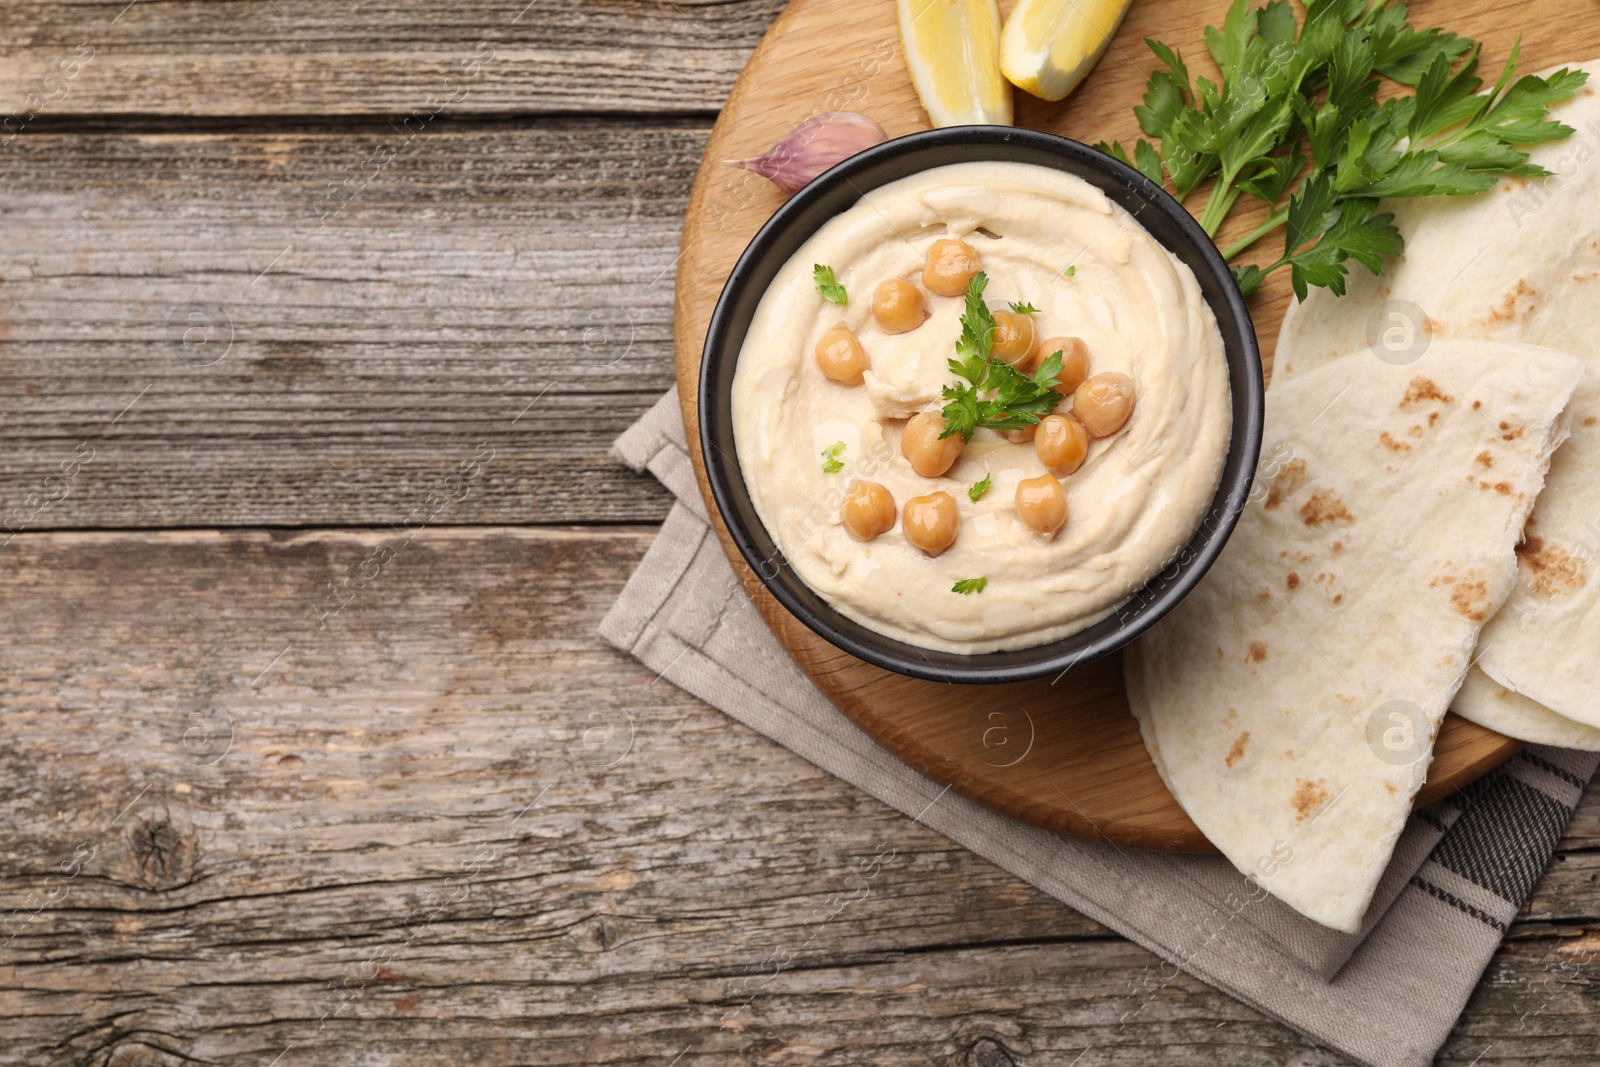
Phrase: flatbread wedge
(1488, 703)
(1294, 696)
(1518, 263)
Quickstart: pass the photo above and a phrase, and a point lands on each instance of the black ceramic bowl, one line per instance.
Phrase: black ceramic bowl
(839, 189)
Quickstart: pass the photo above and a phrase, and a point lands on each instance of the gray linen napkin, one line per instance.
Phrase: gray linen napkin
(1388, 996)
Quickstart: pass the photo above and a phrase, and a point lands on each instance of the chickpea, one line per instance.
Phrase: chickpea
(840, 356)
(897, 306)
(930, 522)
(1042, 504)
(1013, 337)
(1103, 403)
(950, 265)
(1061, 443)
(1074, 361)
(868, 510)
(1022, 436)
(929, 456)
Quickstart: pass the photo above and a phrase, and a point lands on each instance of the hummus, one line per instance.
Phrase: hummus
(1132, 505)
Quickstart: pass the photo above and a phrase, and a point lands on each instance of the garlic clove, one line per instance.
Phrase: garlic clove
(812, 147)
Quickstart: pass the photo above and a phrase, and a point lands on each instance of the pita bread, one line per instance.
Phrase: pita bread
(1521, 262)
(1293, 697)
(1488, 703)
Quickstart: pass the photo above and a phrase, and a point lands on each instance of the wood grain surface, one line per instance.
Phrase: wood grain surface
(295, 370)
(447, 826)
(1086, 772)
(240, 827)
(307, 58)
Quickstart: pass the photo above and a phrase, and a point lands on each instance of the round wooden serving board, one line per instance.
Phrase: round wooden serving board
(1068, 756)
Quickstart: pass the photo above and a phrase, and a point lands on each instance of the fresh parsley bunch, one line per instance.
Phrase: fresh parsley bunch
(1294, 94)
(992, 393)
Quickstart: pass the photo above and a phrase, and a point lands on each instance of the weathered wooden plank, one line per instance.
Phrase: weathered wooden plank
(301, 351)
(433, 820)
(298, 57)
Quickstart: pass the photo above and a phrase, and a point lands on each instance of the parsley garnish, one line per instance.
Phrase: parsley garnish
(993, 393)
(969, 585)
(1023, 309)
(831, 463)
(979, 488)
(831, 290)
(1297, 94)
(1072, 268)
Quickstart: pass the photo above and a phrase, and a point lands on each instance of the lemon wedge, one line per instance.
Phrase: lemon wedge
(1048, 46)
(952, 49)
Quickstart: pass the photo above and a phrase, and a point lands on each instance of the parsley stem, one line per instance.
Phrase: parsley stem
(1275, 219)
(1221, 201)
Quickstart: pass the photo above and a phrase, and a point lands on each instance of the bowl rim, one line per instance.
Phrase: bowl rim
(760, 550)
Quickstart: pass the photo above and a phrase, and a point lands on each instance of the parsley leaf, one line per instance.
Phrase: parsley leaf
(1515, 113)
(969, 585)
(1402, 53)
(831, 464)
(1272, 181)
(1445, 97)
(977, 331)
(1023, 309)
(831, 290)
(1361, 234)
(1248, 277)
(979, 488)
(992, 394)
(1323, 231)
(1227, 45)
(1146, 160)
(1072, 268)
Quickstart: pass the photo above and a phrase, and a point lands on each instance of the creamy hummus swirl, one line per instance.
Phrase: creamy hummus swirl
(1133, 504)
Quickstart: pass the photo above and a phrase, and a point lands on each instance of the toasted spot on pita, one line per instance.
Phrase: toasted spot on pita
(1290, 476)
(1469, 598)
(1323, 507)
(1236, 753)
(1391, 444)
(1485, 460)
(1422, 389)
(1308, 797)
(1293, 581)
(1258, 651)
(1516, 304)
(1552, 570)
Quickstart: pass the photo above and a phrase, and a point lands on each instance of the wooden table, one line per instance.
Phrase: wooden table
(316, 322)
